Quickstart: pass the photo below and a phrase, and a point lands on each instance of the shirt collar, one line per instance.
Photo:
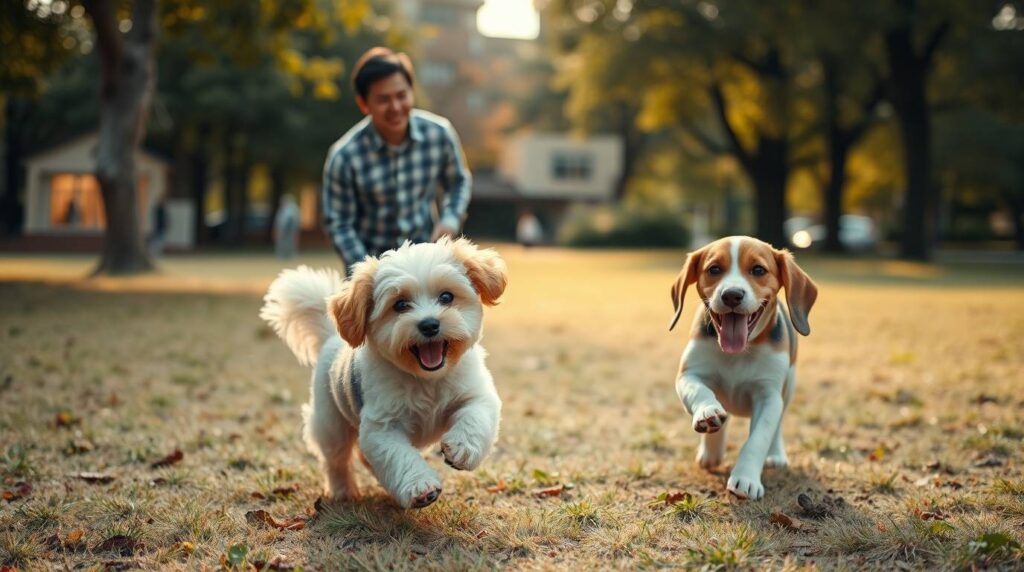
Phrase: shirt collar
(415, 134)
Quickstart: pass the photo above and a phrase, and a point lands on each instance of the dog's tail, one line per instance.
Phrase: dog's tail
(296, 308)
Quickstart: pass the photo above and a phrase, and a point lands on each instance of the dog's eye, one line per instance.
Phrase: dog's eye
(402, 306)
(758, 270)
(714, 270)
(446, 298)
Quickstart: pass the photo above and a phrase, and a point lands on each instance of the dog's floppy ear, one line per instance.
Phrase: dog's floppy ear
(688, 275)
(800, 290)
(485, 268)
(350, 309)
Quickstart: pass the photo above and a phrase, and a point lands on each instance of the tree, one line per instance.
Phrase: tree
(723, 74)
(35, 44)
(126, 90)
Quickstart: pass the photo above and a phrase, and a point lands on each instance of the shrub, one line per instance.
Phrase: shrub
(627, 227)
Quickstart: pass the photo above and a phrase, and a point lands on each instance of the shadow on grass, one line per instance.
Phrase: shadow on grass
(375, 533)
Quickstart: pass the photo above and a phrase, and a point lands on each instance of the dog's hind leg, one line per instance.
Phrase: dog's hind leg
(711, 450)
(777, 452)
(331, 438)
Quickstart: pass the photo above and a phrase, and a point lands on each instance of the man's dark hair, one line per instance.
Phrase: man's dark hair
(376, 64)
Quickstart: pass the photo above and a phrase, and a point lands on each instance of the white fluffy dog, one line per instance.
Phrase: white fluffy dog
(407, 370)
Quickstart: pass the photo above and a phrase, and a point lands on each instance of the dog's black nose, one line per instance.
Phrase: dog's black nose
(429, 327)
(732, 297)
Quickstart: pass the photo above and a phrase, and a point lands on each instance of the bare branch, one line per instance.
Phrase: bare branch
(933, 44)
(723, 116)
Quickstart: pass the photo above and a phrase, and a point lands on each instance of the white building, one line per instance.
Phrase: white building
(64, 206)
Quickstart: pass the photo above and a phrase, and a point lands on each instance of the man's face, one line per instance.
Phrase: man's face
(389, 102)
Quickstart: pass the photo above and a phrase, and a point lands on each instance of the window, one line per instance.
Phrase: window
(75, 202)
(572, 166)
(437, 73)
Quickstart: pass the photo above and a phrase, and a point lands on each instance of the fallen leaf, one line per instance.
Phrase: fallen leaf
(785, 521)
(825, 508)
(929, 515)
(21, 490)
(169, 460)
(90, 477)
(264, 517)
(185, 547)
(286, 491)
(66, 419)
(549, 491)
(878, 454)
(675, 498)
(74, 537)
(669, 499)
(498, 487)
(989, 462)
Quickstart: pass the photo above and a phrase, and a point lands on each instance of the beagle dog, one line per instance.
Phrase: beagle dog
(741, 358)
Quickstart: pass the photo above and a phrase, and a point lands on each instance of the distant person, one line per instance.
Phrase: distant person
(159, 229)
(286, 228)
(528, 229)
(381, 179)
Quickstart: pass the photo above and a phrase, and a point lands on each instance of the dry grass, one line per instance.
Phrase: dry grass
(907, 407)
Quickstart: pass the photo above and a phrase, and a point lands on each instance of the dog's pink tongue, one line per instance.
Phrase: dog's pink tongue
(733, 333)
(431, 354)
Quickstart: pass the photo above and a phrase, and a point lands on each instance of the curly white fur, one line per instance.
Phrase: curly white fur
(373, 390)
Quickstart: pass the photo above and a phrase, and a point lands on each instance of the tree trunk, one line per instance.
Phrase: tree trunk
(199, 171)
(908, 75)
(838, 148)
(770, 187)
(11, 209)
(767, 164)
(125, 94)
(632, 144)
(1017, 212)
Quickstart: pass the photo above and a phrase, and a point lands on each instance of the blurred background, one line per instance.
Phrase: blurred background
(880, 128)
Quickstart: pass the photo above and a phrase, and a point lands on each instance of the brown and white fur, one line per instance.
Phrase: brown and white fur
(741, 358)
(398, 366)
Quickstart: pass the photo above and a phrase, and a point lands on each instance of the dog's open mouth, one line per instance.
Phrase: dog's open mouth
(734, 329)
(430, 355)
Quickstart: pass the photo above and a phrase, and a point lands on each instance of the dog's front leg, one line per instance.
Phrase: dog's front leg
(745, 480)
(708, 413)
(473, 430)
(398, 465)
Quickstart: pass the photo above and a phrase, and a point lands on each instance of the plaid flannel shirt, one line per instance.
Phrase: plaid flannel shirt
(377, 196)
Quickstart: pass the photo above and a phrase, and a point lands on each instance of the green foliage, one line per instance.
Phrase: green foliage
(626, 226)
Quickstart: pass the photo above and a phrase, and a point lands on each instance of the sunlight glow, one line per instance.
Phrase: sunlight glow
(508, 19)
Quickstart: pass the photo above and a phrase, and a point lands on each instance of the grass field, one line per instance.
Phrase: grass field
(145, 422)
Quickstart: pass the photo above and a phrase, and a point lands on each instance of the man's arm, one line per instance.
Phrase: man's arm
(457, 183)
(340, 210)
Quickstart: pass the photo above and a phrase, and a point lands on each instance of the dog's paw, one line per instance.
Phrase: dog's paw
(420, 493)
(745, 486)
(777, 461)
(708, 459)
(709, 418)
(346, 495)
(460, 455)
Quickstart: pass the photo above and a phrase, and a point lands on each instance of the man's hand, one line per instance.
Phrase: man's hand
(442, 230)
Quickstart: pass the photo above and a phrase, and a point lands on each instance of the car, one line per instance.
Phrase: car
(856, 232)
